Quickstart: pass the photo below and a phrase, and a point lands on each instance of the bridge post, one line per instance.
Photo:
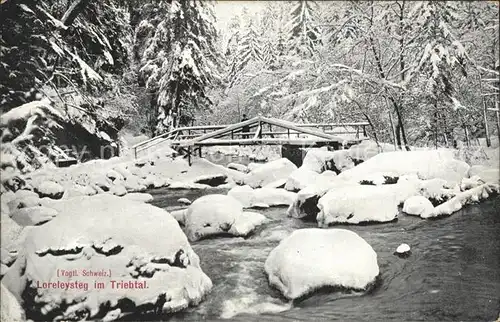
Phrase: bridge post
(189, 155)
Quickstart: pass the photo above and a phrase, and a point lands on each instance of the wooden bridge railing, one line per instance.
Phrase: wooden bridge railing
(187, 135)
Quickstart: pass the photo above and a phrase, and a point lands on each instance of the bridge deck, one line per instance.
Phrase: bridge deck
(259, 131)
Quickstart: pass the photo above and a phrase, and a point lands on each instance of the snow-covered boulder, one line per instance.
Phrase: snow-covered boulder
(219, 214)
(78, 190)
(306, 200)
(356, 204)
(312, 258)
(161, 270)
(437, 190)
(50, 189)
(269, 172)
(301, 178)
(33, 216)
(118, 189)
(424, 164)
(472, 182)
(249, 197)
(212, 180)
(418, 206)
(133, 184)
(114, 175)
(319, 160)
(184, 201)
(98, 181)
(403, 250)
(238, 167)
(461, 199)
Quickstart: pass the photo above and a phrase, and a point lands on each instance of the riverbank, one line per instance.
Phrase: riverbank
(102, 204)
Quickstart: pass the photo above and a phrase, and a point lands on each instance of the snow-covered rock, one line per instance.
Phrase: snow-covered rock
(437, 190)
(99, 232)
(77, 190)
(184, 201)
(249, 197)
(101, 182)
(246, 223)
(472, 182)
(118, 189)
(212, 180)
(424, 164)
(319, 160)
(403, 250)
(114, 175)
(50, 189)
(133, 184)
(301, 178)
(356, 204)
(238, 167)
(312, 258)
(33, 216)
(418, 206)
(269, 172)
(461, 199)
(218, 214)
(306, 200)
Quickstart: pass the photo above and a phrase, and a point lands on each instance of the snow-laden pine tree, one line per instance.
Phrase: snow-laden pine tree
(248, 52)
(305, 33)
(441, 60)
(180, 60)
(273, 27)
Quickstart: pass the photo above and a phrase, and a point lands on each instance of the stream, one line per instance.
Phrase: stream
(453, 272)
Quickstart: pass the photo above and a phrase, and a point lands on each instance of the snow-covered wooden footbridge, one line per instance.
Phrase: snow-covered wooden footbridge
(257, 131)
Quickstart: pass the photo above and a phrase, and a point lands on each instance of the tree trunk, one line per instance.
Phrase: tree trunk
(398, 136)
(435, 125)
(375, 137)
(485, 111)
(393, 132)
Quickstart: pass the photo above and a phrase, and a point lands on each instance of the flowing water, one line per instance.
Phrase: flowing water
(453, 272)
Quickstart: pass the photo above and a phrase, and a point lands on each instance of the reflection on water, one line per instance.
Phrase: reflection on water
(453, 272)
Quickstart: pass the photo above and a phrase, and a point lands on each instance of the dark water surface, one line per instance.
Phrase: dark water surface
(452, 274)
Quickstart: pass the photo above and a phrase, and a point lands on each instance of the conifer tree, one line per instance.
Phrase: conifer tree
(180, 60)
(304, 32)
